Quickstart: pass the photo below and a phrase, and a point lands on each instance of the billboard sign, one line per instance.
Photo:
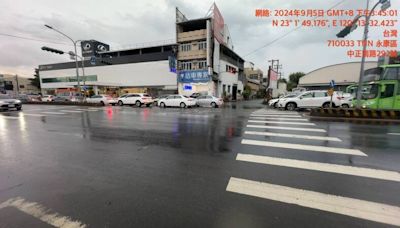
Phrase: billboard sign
(219, 25)
(93, 47)
(194, 76)
(273, 79)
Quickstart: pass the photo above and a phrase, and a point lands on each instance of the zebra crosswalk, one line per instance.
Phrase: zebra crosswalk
(267, 131)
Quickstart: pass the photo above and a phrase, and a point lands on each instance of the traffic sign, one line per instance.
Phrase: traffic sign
(330, 92)
(93, 60)
(332, 84)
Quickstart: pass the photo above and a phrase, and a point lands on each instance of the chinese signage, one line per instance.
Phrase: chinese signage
(193, 76)
(273, 79)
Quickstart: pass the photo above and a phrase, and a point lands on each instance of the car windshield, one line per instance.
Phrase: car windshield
(146, 95)
(186, 96)
(370, 91)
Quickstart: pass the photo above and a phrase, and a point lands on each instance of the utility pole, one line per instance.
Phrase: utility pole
(16, 79)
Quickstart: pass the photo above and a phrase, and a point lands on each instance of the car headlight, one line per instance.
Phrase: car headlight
(18, 101)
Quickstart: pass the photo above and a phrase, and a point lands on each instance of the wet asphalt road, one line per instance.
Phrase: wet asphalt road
(151, 167)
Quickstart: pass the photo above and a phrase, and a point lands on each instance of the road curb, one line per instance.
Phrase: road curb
(357, 114)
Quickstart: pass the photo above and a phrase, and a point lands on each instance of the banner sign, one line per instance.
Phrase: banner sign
(194, 76)
(273, 79)
(219, 25)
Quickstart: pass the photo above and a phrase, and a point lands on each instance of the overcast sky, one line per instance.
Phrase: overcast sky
(122, 23)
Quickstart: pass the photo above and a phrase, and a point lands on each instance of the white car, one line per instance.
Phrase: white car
(346, 100)
(137, 99)
(101, 99)
(209, 101)
(309, 99)
(177, 101)
(47, 98)
(274, 102)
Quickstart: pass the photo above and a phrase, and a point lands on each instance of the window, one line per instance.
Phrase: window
(254, 76)
(185, 65)
(231, 69)
(320, 94)
(203, 65)
(392, 73)
(229, 88)
(223, 88)
(389, 91)
(186, 47)
(21, 86)
(307, 95)
(89, 78)
(202, 45)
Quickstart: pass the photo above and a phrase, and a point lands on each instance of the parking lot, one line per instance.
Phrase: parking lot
(241, 165)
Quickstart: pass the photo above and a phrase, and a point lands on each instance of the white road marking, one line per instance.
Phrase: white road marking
(367, 210)
(287, 128)
(279, 122)
(310, 137)
(394, 134)
(87, 110)
(27, 114)
(10, 117)
(269, 115)
(42, 213)
(54, 113)
(278, 118)
(322, 149)
(323, 167)
(71, 111)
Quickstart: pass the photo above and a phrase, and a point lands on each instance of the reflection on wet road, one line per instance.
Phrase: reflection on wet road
(237, 166)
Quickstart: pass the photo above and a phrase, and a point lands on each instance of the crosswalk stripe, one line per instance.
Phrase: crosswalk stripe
(322, 149)
(71, 111)
(280, 122)
(54, 113)
(310, 137)
(269, 115)
(393, 133)
(275, 113)
(286, 128)
(367, 210)
(277, 118)
(323, 167)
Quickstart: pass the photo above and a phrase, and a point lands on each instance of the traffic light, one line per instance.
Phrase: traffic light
(52, 50)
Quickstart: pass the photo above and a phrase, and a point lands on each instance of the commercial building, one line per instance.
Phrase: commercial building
(343, 74)
(254, 78)
(201, 60)
(206, 60)
(144, 69)
(14, 85)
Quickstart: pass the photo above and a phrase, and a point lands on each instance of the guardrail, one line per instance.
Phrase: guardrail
(356, 113)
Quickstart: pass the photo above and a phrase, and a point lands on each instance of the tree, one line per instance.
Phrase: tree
(36, 80)
(294, 80)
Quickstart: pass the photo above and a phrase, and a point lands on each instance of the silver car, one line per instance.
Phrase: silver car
(209, 101)
(7, 103)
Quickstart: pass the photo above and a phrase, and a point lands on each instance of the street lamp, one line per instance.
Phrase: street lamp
(76, 57)
(348, 29)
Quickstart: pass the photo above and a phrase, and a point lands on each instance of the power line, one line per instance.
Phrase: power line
(33, 39)
(288, 33)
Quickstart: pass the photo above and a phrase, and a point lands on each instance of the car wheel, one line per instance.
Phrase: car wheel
(182, 105)
(214, 105)
(345, 106)
(327, 105)
(275, 105)
(291, 106)
(138, 104)
(162, 105)
(102, 103)
(120, 103)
